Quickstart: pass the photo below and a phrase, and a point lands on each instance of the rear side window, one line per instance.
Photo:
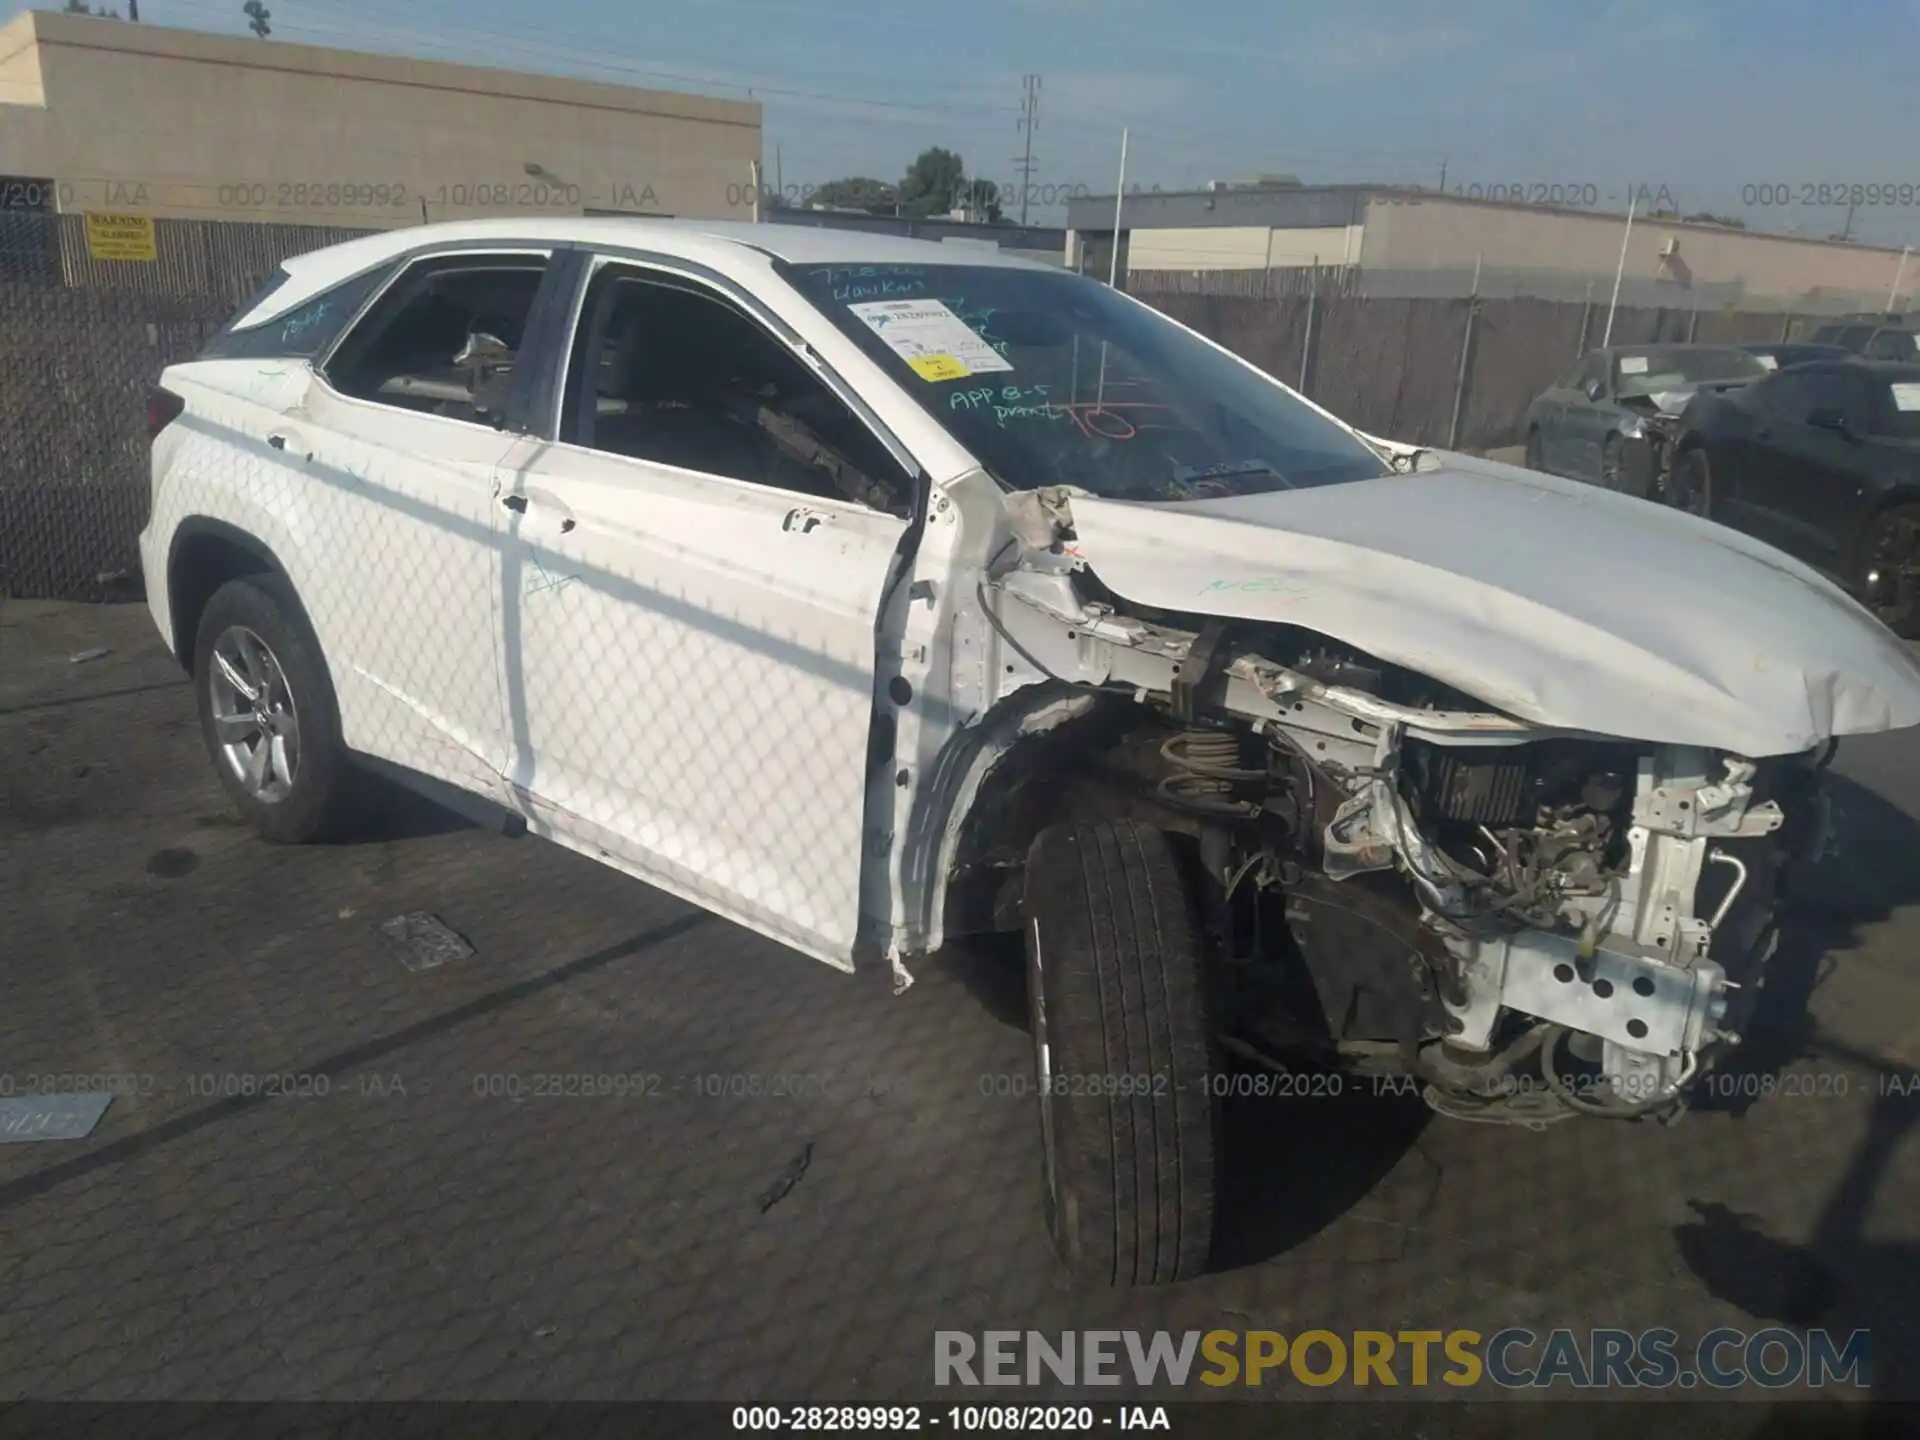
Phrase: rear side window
(299, 334)
(443, 339)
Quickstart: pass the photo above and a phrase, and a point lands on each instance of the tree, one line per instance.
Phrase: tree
(257, 16)
(1707, 217)
(856, 192)
(934, 183)
(99, 12)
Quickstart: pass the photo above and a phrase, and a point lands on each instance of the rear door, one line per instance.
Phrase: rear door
(695, 569)
(399, 440)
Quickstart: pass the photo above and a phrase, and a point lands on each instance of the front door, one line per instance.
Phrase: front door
(694, 575)
(1800, 481)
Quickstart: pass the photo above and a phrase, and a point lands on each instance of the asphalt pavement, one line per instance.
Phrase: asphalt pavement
(626, 1150)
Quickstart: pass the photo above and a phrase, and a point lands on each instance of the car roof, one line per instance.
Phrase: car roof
(1667, 345)
(1888, 370)
(720, 243)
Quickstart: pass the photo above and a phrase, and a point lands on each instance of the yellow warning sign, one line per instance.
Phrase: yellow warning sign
(120, 237)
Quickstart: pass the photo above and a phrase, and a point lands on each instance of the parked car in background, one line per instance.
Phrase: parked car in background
(1780, 354)
(1609, 419)
(820, 579)
(1823, 461)
(1877, 337)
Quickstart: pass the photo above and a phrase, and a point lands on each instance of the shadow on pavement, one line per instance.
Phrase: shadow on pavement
(1839, 1279)
(1288, 1167)
(1874, 875)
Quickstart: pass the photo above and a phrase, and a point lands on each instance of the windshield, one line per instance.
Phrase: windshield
(1650, 371)
(1052, 379)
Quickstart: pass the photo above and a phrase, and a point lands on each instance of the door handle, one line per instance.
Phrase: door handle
(802, 521)
(519, 504)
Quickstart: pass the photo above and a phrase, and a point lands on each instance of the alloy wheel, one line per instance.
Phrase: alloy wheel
(254, 718)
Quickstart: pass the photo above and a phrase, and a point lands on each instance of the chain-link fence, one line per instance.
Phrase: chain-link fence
(1455, 372)
(81, 339)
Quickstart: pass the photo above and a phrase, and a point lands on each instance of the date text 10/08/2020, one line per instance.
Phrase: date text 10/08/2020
(1332, 1085)
(456, 195)
(992, 1418)
(134, 197)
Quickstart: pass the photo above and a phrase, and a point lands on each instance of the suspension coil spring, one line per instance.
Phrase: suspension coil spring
(1207, 766)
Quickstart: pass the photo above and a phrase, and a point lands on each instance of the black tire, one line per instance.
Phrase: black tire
(1890, 551)
(326, 796)
(1691, 485)
(1536, 457)
(1117, 994)
(1613, 465)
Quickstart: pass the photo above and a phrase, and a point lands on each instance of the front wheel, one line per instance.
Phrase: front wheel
(1890, 570)
(1122, 1054)
(1692, 484)
(1613, 463)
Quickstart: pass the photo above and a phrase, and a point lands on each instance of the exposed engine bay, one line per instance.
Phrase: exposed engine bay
(1526, 924)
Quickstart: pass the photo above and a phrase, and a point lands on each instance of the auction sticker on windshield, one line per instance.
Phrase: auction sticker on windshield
(1906, 395)
(937, 343)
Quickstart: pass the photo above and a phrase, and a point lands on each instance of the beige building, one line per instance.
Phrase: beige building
(114, 118)
(1412, 243)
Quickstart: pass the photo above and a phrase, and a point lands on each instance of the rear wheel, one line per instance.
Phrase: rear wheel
(1122, 1054)
(1890, 569)
(268, 716)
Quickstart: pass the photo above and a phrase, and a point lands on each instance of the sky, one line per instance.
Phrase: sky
(1732, 108)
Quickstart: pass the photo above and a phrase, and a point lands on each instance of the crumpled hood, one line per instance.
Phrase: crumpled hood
(1559, 603)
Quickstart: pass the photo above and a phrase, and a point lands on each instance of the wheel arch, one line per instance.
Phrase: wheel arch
(1900, 497)
(203, 555)
(969, 807)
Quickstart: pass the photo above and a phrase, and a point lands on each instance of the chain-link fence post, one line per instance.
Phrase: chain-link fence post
(1306, 340)
(1466, 355)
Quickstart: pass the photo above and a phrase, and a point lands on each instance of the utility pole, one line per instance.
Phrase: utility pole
(1619, 271)
(1846, 231)
(1443, 177)
(1029, 114)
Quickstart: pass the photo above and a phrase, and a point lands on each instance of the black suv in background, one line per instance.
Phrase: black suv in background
(1877, 337)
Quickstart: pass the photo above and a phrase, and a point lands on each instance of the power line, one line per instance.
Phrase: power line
(1030, 115)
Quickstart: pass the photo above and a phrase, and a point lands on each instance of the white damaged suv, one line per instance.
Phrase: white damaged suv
(872, 594)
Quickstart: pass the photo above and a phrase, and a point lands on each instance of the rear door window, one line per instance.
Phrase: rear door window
(442, 339)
